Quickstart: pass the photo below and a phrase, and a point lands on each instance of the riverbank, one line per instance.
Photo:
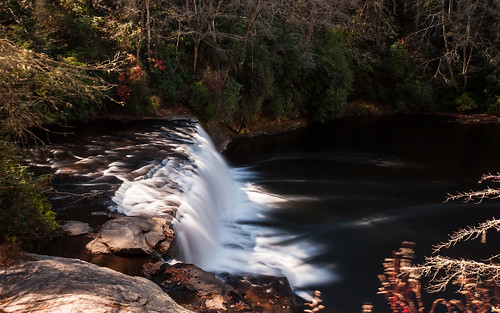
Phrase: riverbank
(473, 118)
(222, 135)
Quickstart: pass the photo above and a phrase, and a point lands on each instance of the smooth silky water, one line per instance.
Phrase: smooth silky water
(323, 206)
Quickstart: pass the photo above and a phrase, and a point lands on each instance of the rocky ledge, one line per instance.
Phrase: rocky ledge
(189, 285)
(125, 237)
(53, 284)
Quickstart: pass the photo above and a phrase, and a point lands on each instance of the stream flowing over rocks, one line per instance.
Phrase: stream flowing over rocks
(160, 176)
(163, 192)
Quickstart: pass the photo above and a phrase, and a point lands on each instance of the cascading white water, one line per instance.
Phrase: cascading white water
(196, 188)
(219, 215)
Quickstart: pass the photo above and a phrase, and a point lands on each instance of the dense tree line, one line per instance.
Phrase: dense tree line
(237, 61)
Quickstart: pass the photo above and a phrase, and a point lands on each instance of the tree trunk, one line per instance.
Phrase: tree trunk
(196, 48)
(252, 17)
(310, 26)
(139, 44)
(448, 53)
(148, 26)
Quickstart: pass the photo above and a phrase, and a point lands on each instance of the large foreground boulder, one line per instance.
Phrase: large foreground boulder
(133, 235)
(51, 284)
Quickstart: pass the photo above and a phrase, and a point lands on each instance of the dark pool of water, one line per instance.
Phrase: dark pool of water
(364, 185)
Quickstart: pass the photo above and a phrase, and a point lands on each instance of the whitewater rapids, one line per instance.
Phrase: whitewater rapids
(220, 218)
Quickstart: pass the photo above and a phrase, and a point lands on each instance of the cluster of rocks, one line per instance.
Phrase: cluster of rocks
(202, 291)
(190, 286)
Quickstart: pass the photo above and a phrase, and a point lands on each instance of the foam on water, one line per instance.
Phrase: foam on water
(220, 219)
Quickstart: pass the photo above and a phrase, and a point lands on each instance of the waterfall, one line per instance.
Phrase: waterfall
(195, 187)
(220, 218)
(206, 196)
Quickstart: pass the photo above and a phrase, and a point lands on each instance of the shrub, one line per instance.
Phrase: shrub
(465, 103)
(403, 86)
(399, 61)
(167, 74)
(494, 108)
(257, 78)
(334, 102)
(411, 93)
(10, 253)
(201, 101)
(154, 103)
(25, 213)
(330, 83)
(232, 98)
(492, 97)
(133, 90)
(280, 104)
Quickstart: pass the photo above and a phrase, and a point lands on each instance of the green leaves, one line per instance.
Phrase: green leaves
(232, 98)
(333, 78)
(465, 103)
(24, 212)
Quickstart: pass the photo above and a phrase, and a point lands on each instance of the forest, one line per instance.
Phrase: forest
(241, 61)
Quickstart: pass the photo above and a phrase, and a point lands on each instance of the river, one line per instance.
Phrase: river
(322, 205)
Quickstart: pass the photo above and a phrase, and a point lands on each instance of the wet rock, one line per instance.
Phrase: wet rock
(266, 293)
(202, 292)
(96, 246)
(133, 235)
(196, 289)
(52, 284)
(221, 135)
(75, 228)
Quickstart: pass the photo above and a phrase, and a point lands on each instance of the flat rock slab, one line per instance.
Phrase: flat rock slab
(133, 235)
(75, 228)
(53, 284)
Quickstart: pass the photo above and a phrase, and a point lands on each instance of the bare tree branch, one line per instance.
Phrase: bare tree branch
(35, 88)
(460, 26)
(479, 196)
(444, 270)
(493, 177)
(479, 281)
(470, 233)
